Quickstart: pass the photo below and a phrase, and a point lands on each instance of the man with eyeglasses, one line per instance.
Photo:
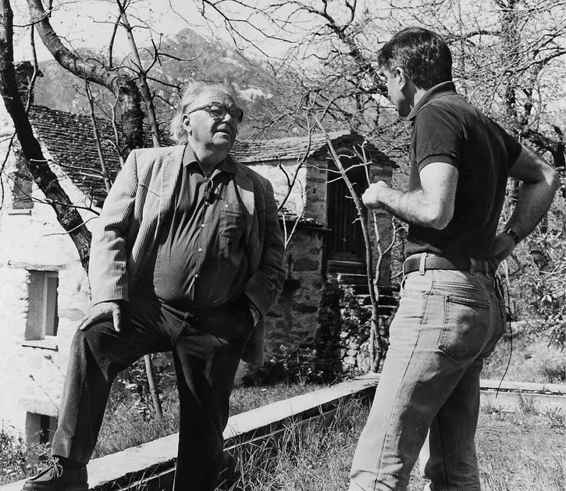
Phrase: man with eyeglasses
(186, 257)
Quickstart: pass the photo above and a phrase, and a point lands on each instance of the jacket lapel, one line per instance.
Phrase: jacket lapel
(171, 167)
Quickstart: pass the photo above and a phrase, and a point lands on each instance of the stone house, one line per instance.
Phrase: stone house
(44, 290)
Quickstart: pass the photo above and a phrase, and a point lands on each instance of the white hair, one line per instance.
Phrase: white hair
(191, 92)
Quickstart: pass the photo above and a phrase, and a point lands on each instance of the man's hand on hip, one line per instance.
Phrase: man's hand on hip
(503, 246)
(103, 311)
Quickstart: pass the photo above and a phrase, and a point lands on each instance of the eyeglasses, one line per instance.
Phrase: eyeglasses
(219, 111)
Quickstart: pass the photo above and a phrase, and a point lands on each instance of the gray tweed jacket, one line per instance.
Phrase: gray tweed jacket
(129, 224)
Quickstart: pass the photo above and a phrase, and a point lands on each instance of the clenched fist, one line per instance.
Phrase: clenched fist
(372, 195)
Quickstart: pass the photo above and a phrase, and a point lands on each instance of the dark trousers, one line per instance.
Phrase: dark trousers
(206, 352)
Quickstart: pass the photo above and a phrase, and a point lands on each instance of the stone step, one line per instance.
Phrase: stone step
(384, 300)
(362, 289)
(335, 266)
(352, 279)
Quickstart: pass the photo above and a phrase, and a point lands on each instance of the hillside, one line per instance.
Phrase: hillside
(184, 57)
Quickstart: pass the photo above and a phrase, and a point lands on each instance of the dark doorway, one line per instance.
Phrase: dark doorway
(345, 242)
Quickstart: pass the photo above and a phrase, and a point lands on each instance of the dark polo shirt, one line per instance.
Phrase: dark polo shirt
(200, 261)
(446, 128)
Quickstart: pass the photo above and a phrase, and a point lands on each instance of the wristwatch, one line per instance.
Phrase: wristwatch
(511, 233)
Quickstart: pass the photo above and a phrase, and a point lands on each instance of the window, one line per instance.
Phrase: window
(42, 318)
(21, 185)
(40, 428)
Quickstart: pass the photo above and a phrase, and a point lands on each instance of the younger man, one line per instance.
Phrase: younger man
(450, 315)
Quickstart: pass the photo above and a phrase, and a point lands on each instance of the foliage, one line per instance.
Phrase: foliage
(524, 355)
(286, 365)
(18, 460)
(328, 361)
(355, 333)
(536, 274)
(315, 360)
(131, 386)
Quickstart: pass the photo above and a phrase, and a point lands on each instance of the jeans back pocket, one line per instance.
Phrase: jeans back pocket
(466, 325)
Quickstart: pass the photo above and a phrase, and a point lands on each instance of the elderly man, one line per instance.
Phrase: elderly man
(451, 313)
(186, 257)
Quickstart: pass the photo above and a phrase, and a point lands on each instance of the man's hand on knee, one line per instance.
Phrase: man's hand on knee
(103, 311)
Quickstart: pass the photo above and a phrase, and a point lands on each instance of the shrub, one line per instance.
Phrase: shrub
(18, 460)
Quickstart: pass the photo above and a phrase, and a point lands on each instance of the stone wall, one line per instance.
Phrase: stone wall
(33, 371)
(316, 192)
(293, 324)
(292, 321)
(278, 173)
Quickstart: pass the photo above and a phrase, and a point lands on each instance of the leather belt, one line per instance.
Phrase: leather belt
(427, 261)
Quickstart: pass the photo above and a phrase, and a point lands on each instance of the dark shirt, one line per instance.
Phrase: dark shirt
(446, 128)
(200, 261)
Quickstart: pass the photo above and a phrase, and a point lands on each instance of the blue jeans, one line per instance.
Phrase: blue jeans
(447, 323)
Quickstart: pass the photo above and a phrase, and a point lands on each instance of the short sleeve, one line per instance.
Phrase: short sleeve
(438, 137)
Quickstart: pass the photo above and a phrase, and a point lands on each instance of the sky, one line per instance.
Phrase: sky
(89, 23)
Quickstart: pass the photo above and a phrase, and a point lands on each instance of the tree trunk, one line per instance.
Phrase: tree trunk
(46, 180)
(144, 88)
(511, 45)
(153, 389)
(123, 87)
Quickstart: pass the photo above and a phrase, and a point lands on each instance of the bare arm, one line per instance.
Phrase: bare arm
(539, 182)
(431, 205)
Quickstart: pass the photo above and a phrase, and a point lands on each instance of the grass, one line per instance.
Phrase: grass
(530, 359)
(127, 423)
(519, 452)
(123, 427)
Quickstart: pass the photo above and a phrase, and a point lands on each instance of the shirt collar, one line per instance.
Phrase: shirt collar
(227, 165)
(430, 94)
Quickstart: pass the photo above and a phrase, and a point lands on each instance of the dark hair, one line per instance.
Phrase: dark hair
(422, 54)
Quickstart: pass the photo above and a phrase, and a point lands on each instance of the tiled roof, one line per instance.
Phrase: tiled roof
(290, 148)
(69, 140)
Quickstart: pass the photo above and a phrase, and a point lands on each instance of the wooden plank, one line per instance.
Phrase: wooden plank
(525, 401)
(276, 412)
(492, 384)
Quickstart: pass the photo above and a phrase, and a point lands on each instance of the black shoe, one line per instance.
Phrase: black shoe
(59, 477)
